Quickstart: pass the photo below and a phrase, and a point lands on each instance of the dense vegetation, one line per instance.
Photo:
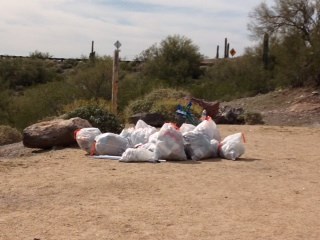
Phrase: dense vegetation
(288, 55)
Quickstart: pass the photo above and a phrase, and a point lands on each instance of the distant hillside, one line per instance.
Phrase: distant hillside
(290, 107)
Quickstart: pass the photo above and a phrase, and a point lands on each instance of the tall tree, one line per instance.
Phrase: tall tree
(285, 17)
(294, 27)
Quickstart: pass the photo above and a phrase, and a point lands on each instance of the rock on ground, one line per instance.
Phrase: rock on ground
(58, 132)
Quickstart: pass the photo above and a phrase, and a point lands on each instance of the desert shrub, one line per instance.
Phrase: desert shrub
(252, 118)
(78, 103)
(166, 93)
(39, 102)
(93, 79)
(164, 101)
(168, 107)
(98, 117)
(139, 106)
(9, 135)
(4, 104)
(27, 72)
(229, 79)
(139, 83)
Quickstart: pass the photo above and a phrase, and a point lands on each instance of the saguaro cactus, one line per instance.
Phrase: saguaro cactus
(228, 47)
(217, 55)
(265, 54)
(93, 53)
(225, 48)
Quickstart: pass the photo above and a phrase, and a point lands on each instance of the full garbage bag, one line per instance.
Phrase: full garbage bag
(137, 155)
(126, 133)
(169, 145)
(85, 138)
(153, 138)
(208, 128)
(186, 127)
(214, 145)
(139, 134)
(232, 147)
(197, 146)
(110, 144)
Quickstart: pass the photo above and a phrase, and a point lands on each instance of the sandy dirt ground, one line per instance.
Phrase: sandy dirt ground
(272, 192)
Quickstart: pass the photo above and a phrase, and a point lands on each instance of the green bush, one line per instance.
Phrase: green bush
(176, 59)
(166, 93)
(168, 107)
(27, 72)
(39, 102)
(163, 101)
(98, 117)
(233, 78)
(9, 135)
(93, 79)
(139, 83)
(78, 103)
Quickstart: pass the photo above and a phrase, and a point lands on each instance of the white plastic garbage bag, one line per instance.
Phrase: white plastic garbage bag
(209, 128)
(197, 146)
(186, 127)
(214, 145)
(169, 145)
(149, 146)
(85, 138)
(232, 147)
(110, 144)
(141, 124)
(126, 132)
(153, 138)
(139, 134)
(137, 155)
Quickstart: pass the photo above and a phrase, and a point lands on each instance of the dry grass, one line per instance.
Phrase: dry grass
(9, 135)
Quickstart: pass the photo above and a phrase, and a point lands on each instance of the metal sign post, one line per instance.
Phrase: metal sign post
(115, 78)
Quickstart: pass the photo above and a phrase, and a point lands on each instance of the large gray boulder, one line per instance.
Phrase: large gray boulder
(58, 132)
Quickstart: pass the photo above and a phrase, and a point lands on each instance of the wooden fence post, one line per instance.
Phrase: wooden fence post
(115, 78)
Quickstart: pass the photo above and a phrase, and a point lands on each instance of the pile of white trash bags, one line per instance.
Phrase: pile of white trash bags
(144, 143)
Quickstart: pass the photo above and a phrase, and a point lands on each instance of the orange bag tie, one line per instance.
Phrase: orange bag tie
(243, 137)
(175, 126)
(93, 149)
(75, 133)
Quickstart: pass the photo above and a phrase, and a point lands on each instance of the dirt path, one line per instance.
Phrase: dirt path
(272, 192)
